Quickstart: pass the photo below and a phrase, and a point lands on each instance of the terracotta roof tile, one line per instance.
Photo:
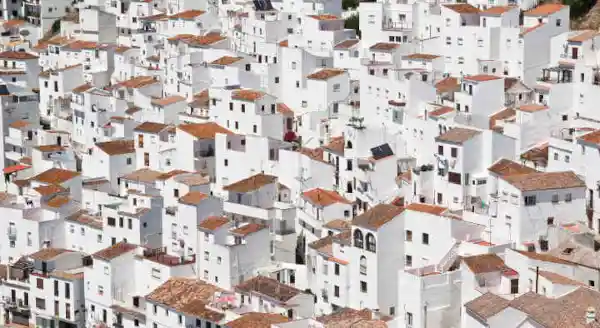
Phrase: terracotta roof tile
(58, 201)
(204, 130)
(582, 36)
(143, 175)
(82, 217)
(481, 78)
(457, 135)
(55, 176)
(247, 95)
(248, 229)
(226, 60)
(82, 88)
(487, 305)
(268, 287)
(117, 147)
(151, 127)
(463, 8)
(501, 115)
(592, 137)
(47, 254)
(326, 74)
(252, 183)
(506, 167)
(377, 216)
(440, 111)
(346, 44)
(212, 223)
(187, 295)
(284, 43)
(484, 263)
(193, 198)
(188, 14)
(323, 198)
(448, 84)
(82, 45)
(284, 110)
(497, 10)
(426, 208)
(545, 9)
(50, 148)
(338, 224)
(336, 145)
(543, 257)
(425, 57)
(122, 49)
(114, 251)
(531, 29)
(545, 181)
(47, 190)
(137, 82)
(559, 279)
(167, 100)
(532, 108)
(19, 124)
(325, 17)
(17, 55)
(384, 46)
(257, 320)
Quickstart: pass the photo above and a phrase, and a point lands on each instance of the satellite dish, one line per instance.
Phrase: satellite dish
(24, 32)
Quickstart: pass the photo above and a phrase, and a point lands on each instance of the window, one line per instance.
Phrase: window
(363, 286)
(40, 283)
(349, 165)
(111, 221)
(336, 87)
(454, 152)
(336, 291)
(225, 162)
(567, 159)
(358, 239)
(568, 198)
(530, 200)
(555, 198)
(219, 260)
(514, 286)
(121, 218)
(56, 288)
(591, 283)
(425, 239)
(558, 22)
(454, 177)
(40, 303)
(408, 260)
(371, 246)
(336, 269)
(67, 290)
(440, 150)
(408, 235)
(363, 265)
(100, 290)
(206, 256)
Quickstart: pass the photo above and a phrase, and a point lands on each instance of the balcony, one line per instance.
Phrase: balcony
(395, 26)
(204, 153)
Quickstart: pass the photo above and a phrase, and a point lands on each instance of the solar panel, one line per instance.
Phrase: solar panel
(381, 151)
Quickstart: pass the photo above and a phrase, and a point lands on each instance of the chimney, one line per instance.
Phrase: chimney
(376, 315)
(590, 315)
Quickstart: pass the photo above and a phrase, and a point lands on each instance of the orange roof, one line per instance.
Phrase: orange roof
(247, 229)
(283, 43)
(582, 36)
(252, 183)
(19, 124)
(13, 23)
(188, 14)
(204, 130)
(426, 208)
(325, 17)
(82, 88)
(226, 60)
(49, 190)
(82, 45)
(421, 57)
(58, 201)
(193, 198)
(497, 10)
(167, 101)
(122, 49)
(448, 84)
(247, 95)
(346, 44)
(321, 197)
(257, 320)
(441, 111)
(481, 78)
(50, 148)
(137, 82)
(114, 251)
(205, 40)
(592, 137)
(18, 55)
(284, 110)
(117, 147)
(212, 223)
(531, 29)
(463, 8)
(326, 74)
(55, 176)
(384, 46)
(545, 9)
(532, 108)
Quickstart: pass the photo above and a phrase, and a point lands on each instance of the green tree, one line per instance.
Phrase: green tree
(353, 23)
(349, 4)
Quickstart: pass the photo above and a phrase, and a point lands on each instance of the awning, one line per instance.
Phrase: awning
(15, 168)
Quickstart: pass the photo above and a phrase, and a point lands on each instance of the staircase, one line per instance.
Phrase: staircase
(448, 259)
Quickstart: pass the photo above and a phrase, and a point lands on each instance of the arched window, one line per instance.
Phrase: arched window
(358, 239)
(371, 243)
(363, 265)
(349, 144)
